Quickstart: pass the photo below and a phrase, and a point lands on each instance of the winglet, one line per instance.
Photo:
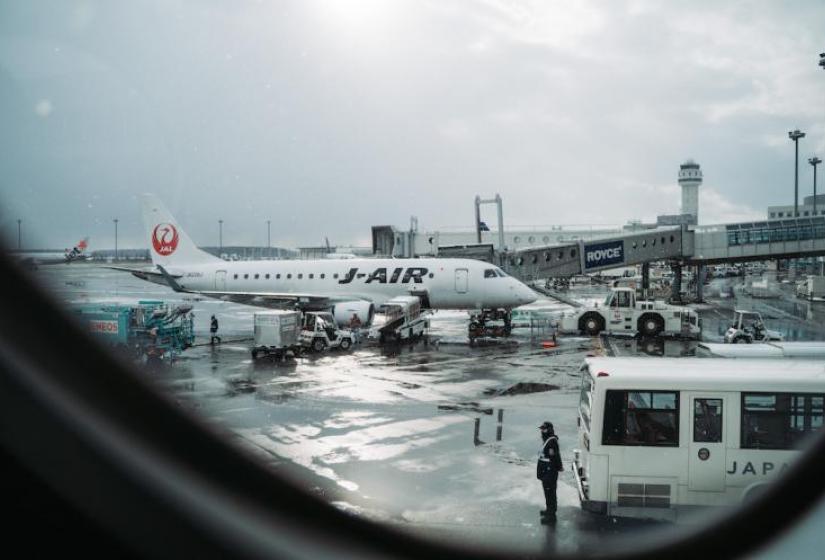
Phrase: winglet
(169, 280)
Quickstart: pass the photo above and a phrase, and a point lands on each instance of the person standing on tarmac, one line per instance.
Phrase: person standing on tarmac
(355, 327)
(547, 470)
(213, 329)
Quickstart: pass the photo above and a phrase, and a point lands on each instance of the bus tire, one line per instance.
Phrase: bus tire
(753, 491)
(651, 324)
(591, 323)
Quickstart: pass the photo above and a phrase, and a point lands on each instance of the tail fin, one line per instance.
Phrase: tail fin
(168, 243)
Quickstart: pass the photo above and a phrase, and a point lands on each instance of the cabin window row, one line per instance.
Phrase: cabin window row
(278, 276)
(288, 276)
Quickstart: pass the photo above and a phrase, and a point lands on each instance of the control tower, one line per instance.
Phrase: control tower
(690, 177)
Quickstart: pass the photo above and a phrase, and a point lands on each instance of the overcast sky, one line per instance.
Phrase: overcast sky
(328, 117)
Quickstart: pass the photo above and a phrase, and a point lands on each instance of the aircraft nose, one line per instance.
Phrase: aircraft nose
(524, 294)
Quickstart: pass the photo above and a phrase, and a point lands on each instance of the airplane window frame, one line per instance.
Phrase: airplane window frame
(140, 465)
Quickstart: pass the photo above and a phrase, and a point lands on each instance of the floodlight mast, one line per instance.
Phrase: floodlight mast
(795, 135)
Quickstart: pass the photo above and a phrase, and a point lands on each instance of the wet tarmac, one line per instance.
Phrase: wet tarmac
(437, 438)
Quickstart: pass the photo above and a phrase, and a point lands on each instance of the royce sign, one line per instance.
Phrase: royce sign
(603, 254)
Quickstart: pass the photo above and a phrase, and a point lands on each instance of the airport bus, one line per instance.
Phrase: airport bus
(664, 438)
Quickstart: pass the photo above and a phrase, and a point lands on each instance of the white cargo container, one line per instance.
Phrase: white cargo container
(276, 333)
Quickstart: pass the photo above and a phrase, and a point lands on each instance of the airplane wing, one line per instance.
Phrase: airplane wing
(143, 274)
(262, 299)
(275, 300)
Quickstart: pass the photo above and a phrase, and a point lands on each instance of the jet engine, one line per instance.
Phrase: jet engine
(344, 311)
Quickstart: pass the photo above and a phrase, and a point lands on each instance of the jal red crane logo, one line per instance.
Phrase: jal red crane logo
(165, 239)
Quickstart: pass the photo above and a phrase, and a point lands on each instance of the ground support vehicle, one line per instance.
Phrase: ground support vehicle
(403, 320)
(489, 323)
(812, 288)
(319, 331)
(622, 313)
(277, 334)
(669, 438)
(148, 331)
(749, 327)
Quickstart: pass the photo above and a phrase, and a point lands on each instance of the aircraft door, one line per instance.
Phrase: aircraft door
(707, 462)
(220, 280)
(461, 275)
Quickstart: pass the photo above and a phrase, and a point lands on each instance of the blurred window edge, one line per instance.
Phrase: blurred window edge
(110, 446)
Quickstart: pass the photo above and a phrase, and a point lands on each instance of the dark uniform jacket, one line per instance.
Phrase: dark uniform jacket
(549, 458)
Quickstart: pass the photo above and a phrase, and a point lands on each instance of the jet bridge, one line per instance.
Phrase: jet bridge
(691, 245)
(584, 257)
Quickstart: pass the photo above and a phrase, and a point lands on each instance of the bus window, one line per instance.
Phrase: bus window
(647, 418)
(779, 420)
(707, 420)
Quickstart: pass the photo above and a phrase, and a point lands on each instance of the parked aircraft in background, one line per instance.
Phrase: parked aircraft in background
(33, 259)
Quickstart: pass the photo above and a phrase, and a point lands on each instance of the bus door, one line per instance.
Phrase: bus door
(220, 281)
(461, 280)
(706, 464)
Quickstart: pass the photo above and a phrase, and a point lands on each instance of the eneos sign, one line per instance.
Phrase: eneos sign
(104, 327)
(603, 254)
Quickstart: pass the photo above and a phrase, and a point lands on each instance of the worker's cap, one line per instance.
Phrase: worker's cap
(546, 426)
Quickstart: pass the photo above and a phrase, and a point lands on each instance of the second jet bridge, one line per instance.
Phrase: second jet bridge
(599, 254)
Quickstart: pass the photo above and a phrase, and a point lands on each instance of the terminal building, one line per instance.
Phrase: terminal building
(806, 209)
(392, 241)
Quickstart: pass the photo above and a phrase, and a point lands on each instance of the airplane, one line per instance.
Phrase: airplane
(33, 259)
(347, 287)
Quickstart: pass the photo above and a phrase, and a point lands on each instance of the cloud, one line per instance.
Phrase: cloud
(330, 122)
(715, 208)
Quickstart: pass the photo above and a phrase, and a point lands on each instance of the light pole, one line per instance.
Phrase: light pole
(795, 135)
(115, 221)
(268, 244)
(19, 234)
(220, 236)
(814, 161)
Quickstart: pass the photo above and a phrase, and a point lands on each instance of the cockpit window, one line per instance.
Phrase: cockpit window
(490, 273)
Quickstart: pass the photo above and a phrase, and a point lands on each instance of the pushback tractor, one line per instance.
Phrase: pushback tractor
(622, 313)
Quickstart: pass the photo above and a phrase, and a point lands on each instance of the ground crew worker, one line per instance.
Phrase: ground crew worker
(213, 329)
(355, 326)
(547, 470)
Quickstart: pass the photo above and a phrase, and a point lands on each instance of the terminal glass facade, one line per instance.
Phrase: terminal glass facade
(776, 231)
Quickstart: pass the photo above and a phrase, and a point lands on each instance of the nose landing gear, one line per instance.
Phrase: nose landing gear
(490, 323)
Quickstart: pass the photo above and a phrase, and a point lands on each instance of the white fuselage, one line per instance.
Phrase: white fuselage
(448, 283)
